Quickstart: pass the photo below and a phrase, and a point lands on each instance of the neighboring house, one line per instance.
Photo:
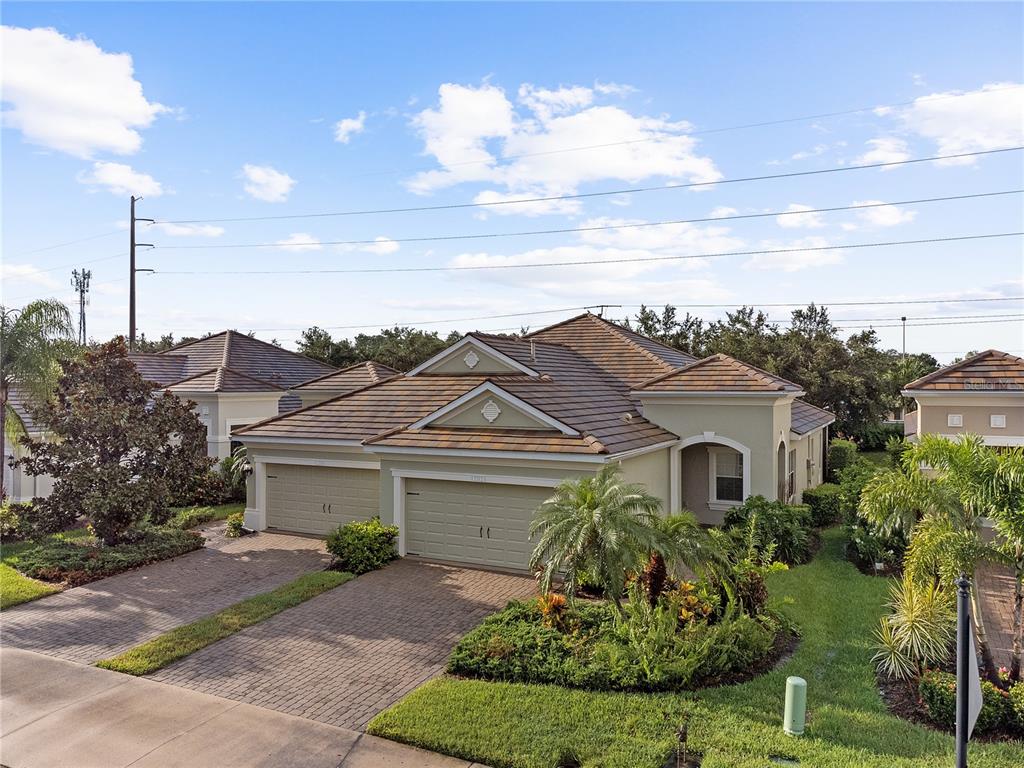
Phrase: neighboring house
(982, 395)
(234, 379)
(460, 451)
(19, 485)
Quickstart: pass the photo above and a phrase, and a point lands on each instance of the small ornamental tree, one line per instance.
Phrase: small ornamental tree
(116, 448)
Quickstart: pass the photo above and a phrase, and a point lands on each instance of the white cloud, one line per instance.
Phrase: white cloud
(819, 149)
(381, 246)
(70, 95)
(987, 118)
(667, 239)
(121, 179)
(800, 220)
(27, 273)
(886, 149)
(300, 241)
(476, 134)
(496, 204)
(187, 230)
(794, 262)
(266, 183)
(348, 127)
(882, 215)
(722, 211)
(614, 89)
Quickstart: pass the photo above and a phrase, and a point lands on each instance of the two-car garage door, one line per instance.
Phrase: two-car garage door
(310, 499)
(467, 522)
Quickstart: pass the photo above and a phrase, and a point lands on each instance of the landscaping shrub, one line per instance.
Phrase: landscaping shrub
(13, 526)
(1017, 704)
(669, 646)
(79, 563)
(938, 692)
(236, 525)
(896, 447)
(359, 547)
(771, 530)
(841, 454)
(852, 480)
(874, 437)
(869, 546)
(191, 517)
(825, 503)
(210, 489)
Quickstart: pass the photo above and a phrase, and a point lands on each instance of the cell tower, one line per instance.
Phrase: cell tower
(80, 282)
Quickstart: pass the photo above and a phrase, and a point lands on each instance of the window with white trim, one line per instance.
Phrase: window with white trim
(811, 455)
(954, 420)
(997, 421)
(728, 476)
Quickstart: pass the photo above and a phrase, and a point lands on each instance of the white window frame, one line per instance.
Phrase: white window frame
(997, 421)
(791, 474)
(954, 420)
(713, 453)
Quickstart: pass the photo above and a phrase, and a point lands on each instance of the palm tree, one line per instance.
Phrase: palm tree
(32, 341)
(597, 523)
(682, 542)
(940, 508)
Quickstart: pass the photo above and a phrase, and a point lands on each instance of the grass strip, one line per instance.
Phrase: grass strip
(509, 725)
(17, 588)
(189, 638)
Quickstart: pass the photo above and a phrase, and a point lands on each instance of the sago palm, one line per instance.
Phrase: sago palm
(32, 341)
(600, 524)
(681, 542)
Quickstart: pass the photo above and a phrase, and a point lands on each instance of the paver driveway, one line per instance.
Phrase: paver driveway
(349, 653)
(101, 619)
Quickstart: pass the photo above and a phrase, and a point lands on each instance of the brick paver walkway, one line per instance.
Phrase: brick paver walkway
(345, 655)
(101, 619)
(995, 584)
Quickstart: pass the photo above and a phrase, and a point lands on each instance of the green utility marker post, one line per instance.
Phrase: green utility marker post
(796, 706)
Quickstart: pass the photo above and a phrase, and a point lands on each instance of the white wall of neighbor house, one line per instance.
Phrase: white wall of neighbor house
(20, 485)
(807, 448)
(222, 412)
(973, 414)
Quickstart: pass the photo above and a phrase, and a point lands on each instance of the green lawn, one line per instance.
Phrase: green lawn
(881, 458)
(189, 638)
(16, 588)
(836, 607)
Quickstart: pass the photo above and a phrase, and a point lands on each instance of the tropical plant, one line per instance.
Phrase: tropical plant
(682, 542)
(33, 340)
(941, 510)
(599, 524)
(918, 632)
(118, 449)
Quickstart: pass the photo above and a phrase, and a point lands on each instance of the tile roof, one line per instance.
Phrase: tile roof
(989, 371)
(347, 379)
(718, 373)
(807, 418)
(382, 413)
(164, 369)
(243, 354)
(223, 379)
(627, 355)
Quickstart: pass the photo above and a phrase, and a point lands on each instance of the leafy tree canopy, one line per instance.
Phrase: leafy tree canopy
(116, 448)
(400, 348)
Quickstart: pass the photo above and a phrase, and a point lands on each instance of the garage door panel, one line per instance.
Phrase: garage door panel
(311, 499)
(479, 523)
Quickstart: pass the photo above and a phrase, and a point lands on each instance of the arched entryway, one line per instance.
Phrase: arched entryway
(780, 464)
(710, 474)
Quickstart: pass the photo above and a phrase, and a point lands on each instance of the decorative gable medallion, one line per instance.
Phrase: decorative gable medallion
(471, 359)
(490, 411)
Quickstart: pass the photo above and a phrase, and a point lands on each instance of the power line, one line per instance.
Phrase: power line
(701, 132)
(585, 195)
(592, 262)
(601, 228)
(69, 242)
(88, 261)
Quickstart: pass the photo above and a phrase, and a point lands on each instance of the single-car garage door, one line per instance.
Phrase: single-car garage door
(317, 500)
(480, 523)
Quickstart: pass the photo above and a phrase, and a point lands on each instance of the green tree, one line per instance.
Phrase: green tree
(33, 340)
(597, 524)
(941, 510)
(118, 448)
(400, 348)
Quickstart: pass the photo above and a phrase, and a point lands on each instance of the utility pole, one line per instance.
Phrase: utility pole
(80, 282)
(131, 273)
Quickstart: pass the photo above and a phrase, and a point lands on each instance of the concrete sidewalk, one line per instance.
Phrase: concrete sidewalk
(57, 714)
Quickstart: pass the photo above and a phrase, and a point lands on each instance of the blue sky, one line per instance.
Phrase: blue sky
(247, 110)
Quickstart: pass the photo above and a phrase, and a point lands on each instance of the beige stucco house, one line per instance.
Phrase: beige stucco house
(981, 395)
(459, 451)
(234, 379)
